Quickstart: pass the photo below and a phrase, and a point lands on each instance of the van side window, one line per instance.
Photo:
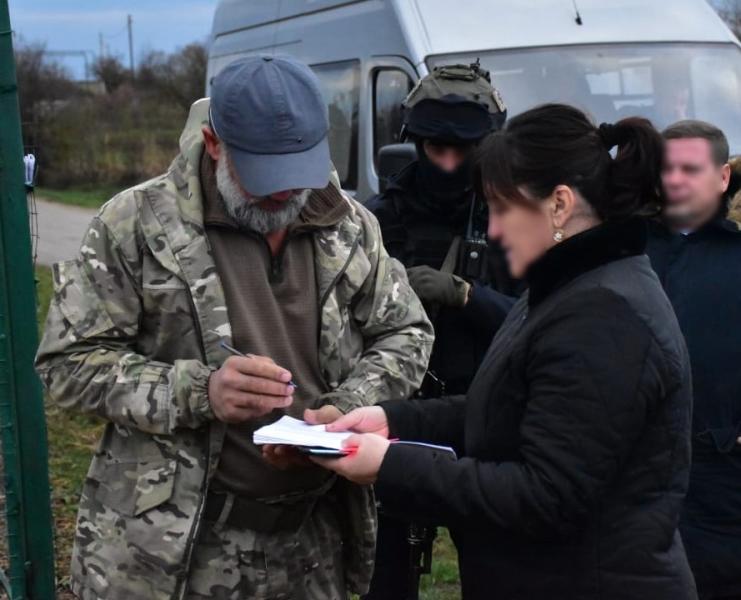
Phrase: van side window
(340, 83)
(390, 88)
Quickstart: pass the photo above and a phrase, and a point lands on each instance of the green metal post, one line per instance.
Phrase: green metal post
(22, 421)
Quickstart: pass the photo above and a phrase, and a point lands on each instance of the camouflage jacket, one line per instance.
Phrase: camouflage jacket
(132, 335)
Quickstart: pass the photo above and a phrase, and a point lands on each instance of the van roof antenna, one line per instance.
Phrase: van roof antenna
(578, 16)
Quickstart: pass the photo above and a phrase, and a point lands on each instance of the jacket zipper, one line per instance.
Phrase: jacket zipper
(276, 260)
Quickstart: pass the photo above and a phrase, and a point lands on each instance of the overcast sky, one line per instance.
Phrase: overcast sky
(76, 25)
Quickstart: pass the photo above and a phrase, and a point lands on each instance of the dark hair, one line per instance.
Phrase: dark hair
(556, 144)
(700, 129)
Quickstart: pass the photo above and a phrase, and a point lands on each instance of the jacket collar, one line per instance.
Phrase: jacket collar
(404, 179)
(413, 200)
(584, 252)
(720, 222)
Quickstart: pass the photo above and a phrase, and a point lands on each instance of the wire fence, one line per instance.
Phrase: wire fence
(34, 229)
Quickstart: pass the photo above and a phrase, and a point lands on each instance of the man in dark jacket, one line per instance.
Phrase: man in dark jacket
(433, 223)
(696, 252)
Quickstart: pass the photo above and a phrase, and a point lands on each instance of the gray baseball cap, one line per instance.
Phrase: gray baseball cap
(270, 113)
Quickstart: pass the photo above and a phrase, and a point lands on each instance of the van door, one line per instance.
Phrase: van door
(364, 100)
(340, 85)
(387, 81)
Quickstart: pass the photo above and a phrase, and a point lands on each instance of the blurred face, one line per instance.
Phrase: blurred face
(693, 183)
(446, 157)
(525, 233)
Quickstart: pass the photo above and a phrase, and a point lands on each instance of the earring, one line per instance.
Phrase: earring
(558, 235)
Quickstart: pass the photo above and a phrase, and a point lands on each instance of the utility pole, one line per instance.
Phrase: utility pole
(131, 46)
(101, 50)
(22, 421)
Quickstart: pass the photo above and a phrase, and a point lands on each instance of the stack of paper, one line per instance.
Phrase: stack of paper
(315, 439)
(292, 432)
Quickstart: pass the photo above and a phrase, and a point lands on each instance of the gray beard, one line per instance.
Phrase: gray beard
(245, 211)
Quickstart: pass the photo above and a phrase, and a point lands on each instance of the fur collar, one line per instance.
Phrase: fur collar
(584, 252)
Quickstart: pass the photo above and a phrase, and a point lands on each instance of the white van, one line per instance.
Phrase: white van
(663, 60)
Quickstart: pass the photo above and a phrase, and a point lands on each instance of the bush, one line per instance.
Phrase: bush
(125, 133)
(118, 138)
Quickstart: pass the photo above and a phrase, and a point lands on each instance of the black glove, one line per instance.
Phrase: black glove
(434, 287)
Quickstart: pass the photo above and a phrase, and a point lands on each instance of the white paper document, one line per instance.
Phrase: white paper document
(293, 432)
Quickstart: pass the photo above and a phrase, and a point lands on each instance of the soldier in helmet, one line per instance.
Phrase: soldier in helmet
(432, 221)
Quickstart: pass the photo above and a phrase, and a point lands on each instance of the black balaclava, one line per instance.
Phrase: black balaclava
(455, 121)
(442, 194)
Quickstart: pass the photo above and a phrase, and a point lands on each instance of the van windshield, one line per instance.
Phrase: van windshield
(663, 82)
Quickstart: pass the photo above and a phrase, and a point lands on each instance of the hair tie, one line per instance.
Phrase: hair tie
(608, 133)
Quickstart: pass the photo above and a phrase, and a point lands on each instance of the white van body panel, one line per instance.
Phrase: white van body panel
(316, 31)
(445, 27)
(622, 58)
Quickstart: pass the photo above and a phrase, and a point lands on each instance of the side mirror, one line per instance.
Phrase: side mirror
(391, 160)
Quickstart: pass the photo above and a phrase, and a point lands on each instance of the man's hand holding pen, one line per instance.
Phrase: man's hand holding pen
(248, 387)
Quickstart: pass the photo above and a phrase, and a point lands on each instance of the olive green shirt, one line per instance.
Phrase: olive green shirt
(272, 307)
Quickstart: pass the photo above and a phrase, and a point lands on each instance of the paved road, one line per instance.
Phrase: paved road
(61, 228)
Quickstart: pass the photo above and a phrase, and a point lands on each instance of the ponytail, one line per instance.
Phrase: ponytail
(634, 173)
(557, 144)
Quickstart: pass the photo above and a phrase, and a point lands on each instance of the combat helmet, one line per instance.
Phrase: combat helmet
(454, 103)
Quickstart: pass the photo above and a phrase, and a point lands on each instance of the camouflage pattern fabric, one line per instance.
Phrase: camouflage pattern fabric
(133, 334)
(229, 564)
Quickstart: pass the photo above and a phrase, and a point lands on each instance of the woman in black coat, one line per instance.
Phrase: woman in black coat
(574, 439)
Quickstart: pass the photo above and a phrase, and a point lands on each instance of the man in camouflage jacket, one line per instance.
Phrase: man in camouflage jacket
(133, 335)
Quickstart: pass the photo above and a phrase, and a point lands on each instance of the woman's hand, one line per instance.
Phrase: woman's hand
(363, 463)
(369, 419)
(287, 457)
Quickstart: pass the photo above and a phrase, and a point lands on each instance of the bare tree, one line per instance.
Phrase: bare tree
(730, 12)
(39, 79)
(130, 132)
(180, 76)
(110, 70)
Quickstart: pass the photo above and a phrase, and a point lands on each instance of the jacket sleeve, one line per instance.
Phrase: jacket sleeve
(487, 309)
(433, 420)
(591, 375)
(397, 334)
(88, 357)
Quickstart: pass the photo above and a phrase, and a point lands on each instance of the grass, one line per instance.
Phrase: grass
(72, 440)
(87, 197)
(442, 583)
